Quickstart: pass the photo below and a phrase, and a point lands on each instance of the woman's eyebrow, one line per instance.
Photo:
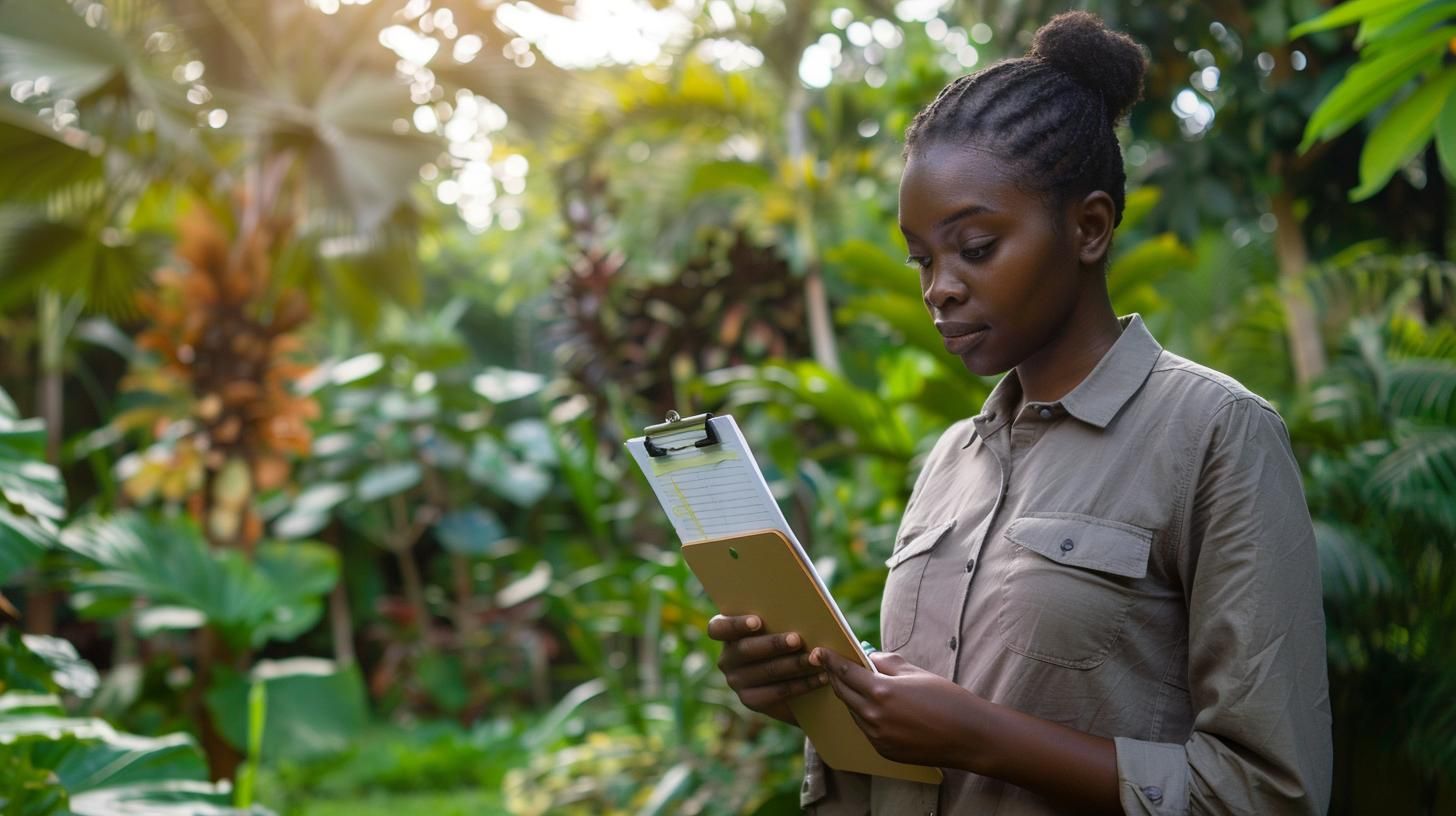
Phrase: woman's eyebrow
(964, 212)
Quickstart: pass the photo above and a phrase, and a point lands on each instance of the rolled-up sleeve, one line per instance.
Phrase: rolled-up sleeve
(1257, 678)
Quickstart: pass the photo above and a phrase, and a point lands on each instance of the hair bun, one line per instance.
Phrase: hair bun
(1080, 45)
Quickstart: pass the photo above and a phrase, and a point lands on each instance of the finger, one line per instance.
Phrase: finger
(858, 703)
(843, 669)
(764, 696)
(891, 663)
(769, 672)
(732, 627)
(762, 647)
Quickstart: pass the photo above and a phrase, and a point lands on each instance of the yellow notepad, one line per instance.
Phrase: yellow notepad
(738, 544)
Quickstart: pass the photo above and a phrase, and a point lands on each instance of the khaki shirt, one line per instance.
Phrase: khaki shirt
(1134, 561)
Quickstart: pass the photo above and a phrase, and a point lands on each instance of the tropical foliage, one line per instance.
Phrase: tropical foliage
(333, 316)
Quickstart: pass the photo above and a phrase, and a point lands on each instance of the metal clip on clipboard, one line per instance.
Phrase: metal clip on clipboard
(674, 423)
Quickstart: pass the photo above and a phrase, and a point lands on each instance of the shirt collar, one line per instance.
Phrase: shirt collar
(1100, 395)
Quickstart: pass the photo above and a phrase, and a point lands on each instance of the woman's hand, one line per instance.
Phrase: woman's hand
(909, 714)
(765, 671)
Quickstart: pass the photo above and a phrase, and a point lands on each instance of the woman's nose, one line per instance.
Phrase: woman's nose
(944, 290)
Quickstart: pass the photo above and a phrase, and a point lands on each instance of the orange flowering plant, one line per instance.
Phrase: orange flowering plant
(217, 395)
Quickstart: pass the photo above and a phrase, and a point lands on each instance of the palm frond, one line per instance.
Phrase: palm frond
(66, 256)
(1418, 478)
(1349, 567)
(1423, 390)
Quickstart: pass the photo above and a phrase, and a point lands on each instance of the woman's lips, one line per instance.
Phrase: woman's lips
(959, 338)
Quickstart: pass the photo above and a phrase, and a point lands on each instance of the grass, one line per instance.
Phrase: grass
(453, 803)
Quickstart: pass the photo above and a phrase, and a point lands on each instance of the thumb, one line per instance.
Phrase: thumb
(892, 663)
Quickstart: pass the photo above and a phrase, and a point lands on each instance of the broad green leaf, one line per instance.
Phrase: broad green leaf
(168, 798)
(1446, 140)
(1369, 84)
(903, 314)
(531, 439)
(22, 669)
(311, 510)
(868, 266)
(472, 531)
(502, 385)
(32, 494)
(69, 671)
(29, 791)
(1395, 29)
(314, 709)
(89, 765)
(1137, 205)
(386, 480)
(712, 177)
(1402, 134)
(154, 620)
(1133, 272)
(528, 586)
(168, 563)
(1351, 12)
(40, 39)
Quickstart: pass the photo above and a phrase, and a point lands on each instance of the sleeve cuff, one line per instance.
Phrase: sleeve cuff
(845, 794)
(1152, 777)
(816, 785)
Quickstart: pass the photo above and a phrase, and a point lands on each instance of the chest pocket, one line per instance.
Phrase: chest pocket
(902, 586)
(1069, 586)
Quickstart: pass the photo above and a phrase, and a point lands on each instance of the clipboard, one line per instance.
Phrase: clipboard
(761, 571)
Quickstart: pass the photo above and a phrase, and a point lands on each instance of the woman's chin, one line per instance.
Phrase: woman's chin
(981, 364)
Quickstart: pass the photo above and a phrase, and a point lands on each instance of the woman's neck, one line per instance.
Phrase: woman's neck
(1061, 365)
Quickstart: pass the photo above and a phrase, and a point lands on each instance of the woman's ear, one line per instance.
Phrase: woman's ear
(1093, 217)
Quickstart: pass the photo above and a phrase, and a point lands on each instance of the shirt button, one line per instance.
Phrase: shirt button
(952, 644)
(1046, 413)
(1154, 793)
(1067, 545)
(970, 565)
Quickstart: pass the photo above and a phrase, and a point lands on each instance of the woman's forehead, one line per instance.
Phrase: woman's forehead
(944, 180)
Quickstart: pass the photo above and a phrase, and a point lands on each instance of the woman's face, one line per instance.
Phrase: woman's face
(999, 280)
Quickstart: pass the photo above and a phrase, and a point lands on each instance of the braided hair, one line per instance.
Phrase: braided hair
(1051, 113)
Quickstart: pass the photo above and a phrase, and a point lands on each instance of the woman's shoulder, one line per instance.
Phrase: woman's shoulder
(1178, 384)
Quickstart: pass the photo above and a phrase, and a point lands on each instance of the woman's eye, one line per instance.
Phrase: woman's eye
(976, 253)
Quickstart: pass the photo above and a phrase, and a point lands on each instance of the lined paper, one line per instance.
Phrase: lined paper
(717, 491)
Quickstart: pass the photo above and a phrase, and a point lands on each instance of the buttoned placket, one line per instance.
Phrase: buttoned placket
(1004, 447)
(994, 442)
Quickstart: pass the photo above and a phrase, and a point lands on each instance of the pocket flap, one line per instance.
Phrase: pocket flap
(1082, 541)
(917, 541)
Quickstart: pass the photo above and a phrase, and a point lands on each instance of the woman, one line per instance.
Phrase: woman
(1105, 595)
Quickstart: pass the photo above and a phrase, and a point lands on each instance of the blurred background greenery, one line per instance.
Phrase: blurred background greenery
(322, 323)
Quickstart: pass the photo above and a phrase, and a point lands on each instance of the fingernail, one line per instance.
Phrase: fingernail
(821, 679)
(793, 640)
(814, 657)
(753, 622)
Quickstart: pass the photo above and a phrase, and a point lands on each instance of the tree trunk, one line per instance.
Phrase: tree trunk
(40, 601)
(222, 758)
(414, 587)
(816, 297)
(341, 624)
(1306, 349)
(465, 629)
(402, 543)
